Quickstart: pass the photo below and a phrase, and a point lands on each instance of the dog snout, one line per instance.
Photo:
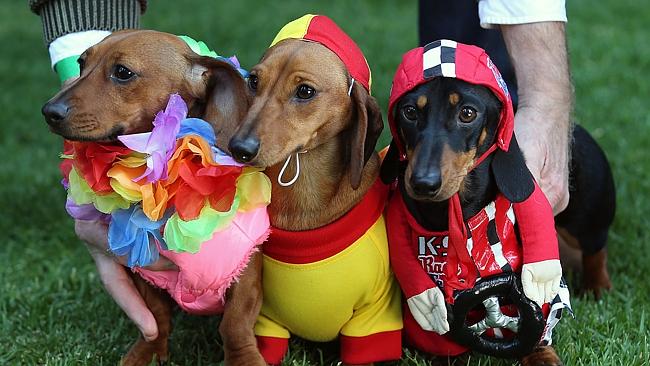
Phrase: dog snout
(244, 149)
(55, 112)
(426, 184)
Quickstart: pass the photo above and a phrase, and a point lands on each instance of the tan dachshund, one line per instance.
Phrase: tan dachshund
(124, 81)
(311, 121)
(338, 132)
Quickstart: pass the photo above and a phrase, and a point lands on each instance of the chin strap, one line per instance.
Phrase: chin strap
(485, 155)
(284, 167)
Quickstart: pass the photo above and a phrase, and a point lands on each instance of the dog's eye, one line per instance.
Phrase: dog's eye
(467, 114)
(305, 92)
(122, 73)
(81, 63)
(410, 113)
(252, 82)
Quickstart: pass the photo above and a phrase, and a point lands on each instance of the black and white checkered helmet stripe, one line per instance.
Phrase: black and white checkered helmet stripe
(439, 59)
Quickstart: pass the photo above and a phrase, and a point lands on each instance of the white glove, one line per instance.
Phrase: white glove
(541, 280)
(429, 310)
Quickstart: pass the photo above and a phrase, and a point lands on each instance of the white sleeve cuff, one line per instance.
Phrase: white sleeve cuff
(74, 44)
(493, 13)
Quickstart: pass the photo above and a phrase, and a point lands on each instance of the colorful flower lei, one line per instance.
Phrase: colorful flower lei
(170, 188)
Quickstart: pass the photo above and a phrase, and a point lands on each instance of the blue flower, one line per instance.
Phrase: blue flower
(130, 232)
(198, 127)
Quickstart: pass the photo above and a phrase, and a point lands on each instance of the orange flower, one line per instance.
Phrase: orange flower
(197, 178)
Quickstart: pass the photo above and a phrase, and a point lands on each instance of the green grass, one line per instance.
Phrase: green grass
(53, 310)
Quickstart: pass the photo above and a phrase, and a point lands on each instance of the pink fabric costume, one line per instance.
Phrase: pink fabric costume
(199, 286)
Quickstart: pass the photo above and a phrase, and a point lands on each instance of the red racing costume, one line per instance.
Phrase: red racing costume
(500, 238)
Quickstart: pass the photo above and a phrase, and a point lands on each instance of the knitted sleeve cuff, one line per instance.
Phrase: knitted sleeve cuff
(61, 17)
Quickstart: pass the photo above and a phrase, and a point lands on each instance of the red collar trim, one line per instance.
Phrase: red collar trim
(301, 247)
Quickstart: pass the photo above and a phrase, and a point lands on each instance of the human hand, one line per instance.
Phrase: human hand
(116, 280)
(541, 280)
(429, 310)
(546, 149)
(542, 122)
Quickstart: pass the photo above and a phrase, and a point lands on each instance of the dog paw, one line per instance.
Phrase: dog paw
(596, 287)
(542, 356)
(244, 361)
(248, 356)
(143, 353)
(595, 278)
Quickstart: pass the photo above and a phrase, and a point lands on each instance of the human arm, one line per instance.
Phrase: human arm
(70, 27)
(542, 122)
(534, 35)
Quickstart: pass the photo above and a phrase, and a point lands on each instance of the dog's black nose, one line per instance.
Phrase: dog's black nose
(244, 149)
(426, 184)
(55, 112)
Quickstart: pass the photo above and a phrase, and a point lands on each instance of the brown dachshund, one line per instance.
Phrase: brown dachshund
(332, 129)
(124, 81)
(307, 108)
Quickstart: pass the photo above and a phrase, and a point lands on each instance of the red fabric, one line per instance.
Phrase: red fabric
(196, 183)
(300, 247)
(324, 31)
(461, 272)
(482, 254)
(272, 349)
(66, 164)
(409, 267)
(472, 65)
(429, 342)
(384, 346)
(537, 228)
(448, 263)
(421, 260)
(93, 160)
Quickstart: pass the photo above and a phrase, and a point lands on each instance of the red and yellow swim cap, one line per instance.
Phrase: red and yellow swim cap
(321, 29)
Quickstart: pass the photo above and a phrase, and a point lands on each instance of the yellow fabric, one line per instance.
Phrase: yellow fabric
(295, 29)
(122, 177)
(154, 200)
(80, 193)
(255, 189)
(353, 293)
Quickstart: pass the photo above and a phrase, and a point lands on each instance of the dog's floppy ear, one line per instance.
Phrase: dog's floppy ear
(225, 92)
(390, 166)
(511, 174)
(365, 132)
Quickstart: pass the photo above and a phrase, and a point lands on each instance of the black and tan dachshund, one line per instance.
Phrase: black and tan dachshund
(445, 124)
